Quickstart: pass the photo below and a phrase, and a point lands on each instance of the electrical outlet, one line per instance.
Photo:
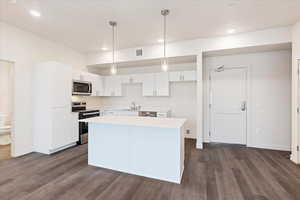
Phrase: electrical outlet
(188, 131)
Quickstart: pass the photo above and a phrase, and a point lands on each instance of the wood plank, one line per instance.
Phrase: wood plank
(218, 172)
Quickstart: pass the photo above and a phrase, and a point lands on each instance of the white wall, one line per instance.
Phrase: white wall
(195, 47)
(25, 50)
(5, 89)
(269, 94)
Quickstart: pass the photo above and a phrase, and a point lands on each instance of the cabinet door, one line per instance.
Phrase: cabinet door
(97, 85)
(132, 78)
(61, 86)
(175, 76)
(85, 76)
(100, 91)
(61, 127)
(125, 79)
(189, 76)
(162, 84)
(75, 128)
(117, 90)
(149, 88)
(76, 75)
(113, 86)
(108, 86)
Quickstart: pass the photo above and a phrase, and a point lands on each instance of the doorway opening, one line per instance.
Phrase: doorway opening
(6, 108)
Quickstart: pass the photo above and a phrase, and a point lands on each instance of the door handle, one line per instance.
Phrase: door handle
(243, 106)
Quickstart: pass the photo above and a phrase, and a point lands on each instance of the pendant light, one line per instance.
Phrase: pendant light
(164, 61)
(113, 69)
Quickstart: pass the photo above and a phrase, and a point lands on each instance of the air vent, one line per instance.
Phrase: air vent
(139, 52)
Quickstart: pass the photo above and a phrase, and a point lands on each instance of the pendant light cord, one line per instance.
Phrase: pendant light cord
(113, 41)
(165, 34)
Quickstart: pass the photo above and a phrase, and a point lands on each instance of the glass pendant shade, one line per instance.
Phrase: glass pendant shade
(113, 69)
(164, 65)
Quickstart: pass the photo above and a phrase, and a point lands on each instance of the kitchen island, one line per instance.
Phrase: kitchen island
(150, 147)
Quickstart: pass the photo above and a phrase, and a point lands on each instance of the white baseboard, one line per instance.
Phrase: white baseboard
(271, 147)
(294, 159)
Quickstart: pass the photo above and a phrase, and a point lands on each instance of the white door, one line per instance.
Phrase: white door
(228, 106)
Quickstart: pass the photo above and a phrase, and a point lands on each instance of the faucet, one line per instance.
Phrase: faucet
(134, 107)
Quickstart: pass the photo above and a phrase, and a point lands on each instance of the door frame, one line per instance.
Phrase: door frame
(248, 100)
(12, 94)
(297, 115)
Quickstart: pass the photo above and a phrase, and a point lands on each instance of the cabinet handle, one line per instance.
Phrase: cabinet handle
(183, 77)
(154, 92)
(130, 80)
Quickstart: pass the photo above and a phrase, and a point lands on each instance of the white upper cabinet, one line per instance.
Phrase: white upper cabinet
(183, 76)
(156, 84)
(149, 86)
(162, 84)
(76, 75)
(189, 76)
(132, 78)
(112, 86)
(96, 80)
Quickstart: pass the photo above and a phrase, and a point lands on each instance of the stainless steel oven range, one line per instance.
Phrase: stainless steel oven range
(83, 126)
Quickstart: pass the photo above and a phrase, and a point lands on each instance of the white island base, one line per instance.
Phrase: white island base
(150, 147)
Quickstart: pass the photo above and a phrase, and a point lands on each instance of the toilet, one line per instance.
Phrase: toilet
(5, 131)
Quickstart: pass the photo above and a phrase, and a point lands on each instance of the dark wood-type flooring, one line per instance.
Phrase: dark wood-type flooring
(217, 172)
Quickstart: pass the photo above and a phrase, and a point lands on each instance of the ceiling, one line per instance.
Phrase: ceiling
(83, 24)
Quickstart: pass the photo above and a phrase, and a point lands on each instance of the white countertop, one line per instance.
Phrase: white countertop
(138, 121)
(120, 108)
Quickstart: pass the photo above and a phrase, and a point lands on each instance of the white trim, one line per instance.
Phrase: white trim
(270, 146)
(62, 148)
(12, 94)
(200, 97)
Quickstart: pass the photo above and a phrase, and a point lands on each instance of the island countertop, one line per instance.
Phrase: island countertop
(138, 121)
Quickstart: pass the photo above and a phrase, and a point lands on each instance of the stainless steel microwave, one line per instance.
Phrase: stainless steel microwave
(82, 88)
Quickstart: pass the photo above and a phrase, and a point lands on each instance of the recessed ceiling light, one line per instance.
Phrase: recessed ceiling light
(160, 40)
(104, 49)
(230, 31)
(35, 13)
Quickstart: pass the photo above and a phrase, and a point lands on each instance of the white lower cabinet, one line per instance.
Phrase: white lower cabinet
(65, 128)
(156, 84)
(61, 127)
(75, 127)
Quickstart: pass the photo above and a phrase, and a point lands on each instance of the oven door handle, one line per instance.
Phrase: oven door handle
(94, 113)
